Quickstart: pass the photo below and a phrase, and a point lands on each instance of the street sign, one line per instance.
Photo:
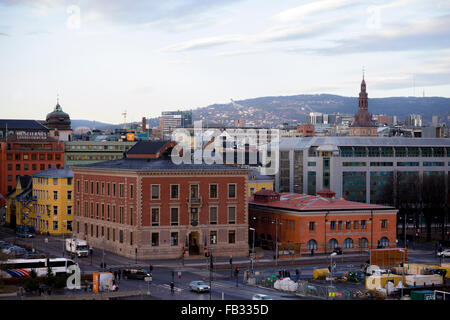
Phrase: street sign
(148, 279)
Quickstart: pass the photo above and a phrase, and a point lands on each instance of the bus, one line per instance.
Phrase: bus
(16, 268)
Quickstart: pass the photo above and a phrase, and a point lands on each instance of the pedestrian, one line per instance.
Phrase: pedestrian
(120, 274)
(115, 274)
(171, 288)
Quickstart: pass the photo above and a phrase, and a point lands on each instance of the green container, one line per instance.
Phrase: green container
(422, 295)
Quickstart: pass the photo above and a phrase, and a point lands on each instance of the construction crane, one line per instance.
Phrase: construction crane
(124, 119)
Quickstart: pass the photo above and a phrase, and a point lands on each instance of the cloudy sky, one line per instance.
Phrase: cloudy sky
(106, 56)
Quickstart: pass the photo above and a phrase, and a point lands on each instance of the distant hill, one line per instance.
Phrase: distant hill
(273, 111)
(294, 109)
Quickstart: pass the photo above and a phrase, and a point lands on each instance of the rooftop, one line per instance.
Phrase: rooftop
(55, 173)
(306, 142)
(303, 202)
(19, 124)
(159, 164)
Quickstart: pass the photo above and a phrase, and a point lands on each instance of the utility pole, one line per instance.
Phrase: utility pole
(253, 249)
(103, 253)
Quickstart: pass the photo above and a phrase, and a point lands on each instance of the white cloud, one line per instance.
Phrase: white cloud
(203, 43)
(312, 8)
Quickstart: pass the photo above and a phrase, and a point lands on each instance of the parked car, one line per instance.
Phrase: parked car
(338, 250)
(24, 235)
(34, 255)
(445, 253)
(198, 286)
(4, 245)
(17, 251)
(139, 274)
(260, 296)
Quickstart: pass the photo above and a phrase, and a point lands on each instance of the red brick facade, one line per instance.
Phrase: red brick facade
(137, 234)
(26, 157)
(358, 227)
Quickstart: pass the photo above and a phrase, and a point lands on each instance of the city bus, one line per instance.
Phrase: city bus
(14, 268)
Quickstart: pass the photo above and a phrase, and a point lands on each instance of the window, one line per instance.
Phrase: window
(55, 210)
(131, 215)
(232, 190)
(108, 189)
(114, 213)
(42, 167)
(69, 181)
(231, 236)
(155, 239)
(231, 215)
(103, 211)
(174, 191)
(96, 211)
(252, 190)
(340, 225)
(121, 190)
(348, 225)
(384, 242)
(332, 225)
(312, 226)
(114, 189)
(348, 243)
(213, 191)
(17, 166)
(173, 216)
(103, 188)
(131, 238)
(213, 215)
(69, 195)
(121, 214)
(363, 224)
(121, 236)
(69, 210)
(55, 181)
(363, 243)
(155, 192)
(213, 237)
(92, 187)
(108, 216)
(9, 166)
(55, 195)
(26, 166)
(131, 191)
(194, 192)
(383, 224)
(155, 216)
(55, 225)
(355, 225)
(332, 244)
(174, 238)
(311, 245)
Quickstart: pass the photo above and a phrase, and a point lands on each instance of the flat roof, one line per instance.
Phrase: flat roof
(297, 143)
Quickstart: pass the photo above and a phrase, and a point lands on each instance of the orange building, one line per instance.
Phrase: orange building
(307, 130)
(26, 148)
(320, 223)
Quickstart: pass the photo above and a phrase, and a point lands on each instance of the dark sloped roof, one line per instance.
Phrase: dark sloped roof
(154, 165)
(16, 124)
(255, 175)
(147, 147)
(55, 173)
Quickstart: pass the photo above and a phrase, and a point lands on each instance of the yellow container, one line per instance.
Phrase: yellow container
(374, 282)
(320, 273)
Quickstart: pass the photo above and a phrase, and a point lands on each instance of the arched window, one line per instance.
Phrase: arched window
(332, 244)
(348, 243)
(384, 242)
(312, 244)
(363, 243)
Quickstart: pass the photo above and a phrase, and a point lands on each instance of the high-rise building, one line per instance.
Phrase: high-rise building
(414, 120)
(171, 120)
(314, 118)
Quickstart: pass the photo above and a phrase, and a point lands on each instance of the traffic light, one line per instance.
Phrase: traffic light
(206, 253)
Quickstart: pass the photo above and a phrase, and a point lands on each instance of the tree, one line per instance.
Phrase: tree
(32, 283)
(50, 278)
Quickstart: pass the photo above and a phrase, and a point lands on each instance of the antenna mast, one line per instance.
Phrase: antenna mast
(124, 119)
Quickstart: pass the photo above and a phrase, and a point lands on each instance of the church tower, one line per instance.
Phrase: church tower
(362, 125)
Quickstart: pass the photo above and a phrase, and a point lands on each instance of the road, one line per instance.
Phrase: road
(222, 284)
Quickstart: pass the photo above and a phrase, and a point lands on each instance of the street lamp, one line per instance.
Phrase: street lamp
(331, 267)
(403, 269)
(253, 248)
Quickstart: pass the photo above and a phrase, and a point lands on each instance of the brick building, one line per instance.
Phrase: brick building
(26, 148)
(304, 222)
(147, 207)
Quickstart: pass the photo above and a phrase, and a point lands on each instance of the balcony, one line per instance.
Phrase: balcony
(195, 201)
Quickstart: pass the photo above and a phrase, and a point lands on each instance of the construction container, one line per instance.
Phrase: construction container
(423, 280)
(422, 295)
(321, 273)
(379, 281)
